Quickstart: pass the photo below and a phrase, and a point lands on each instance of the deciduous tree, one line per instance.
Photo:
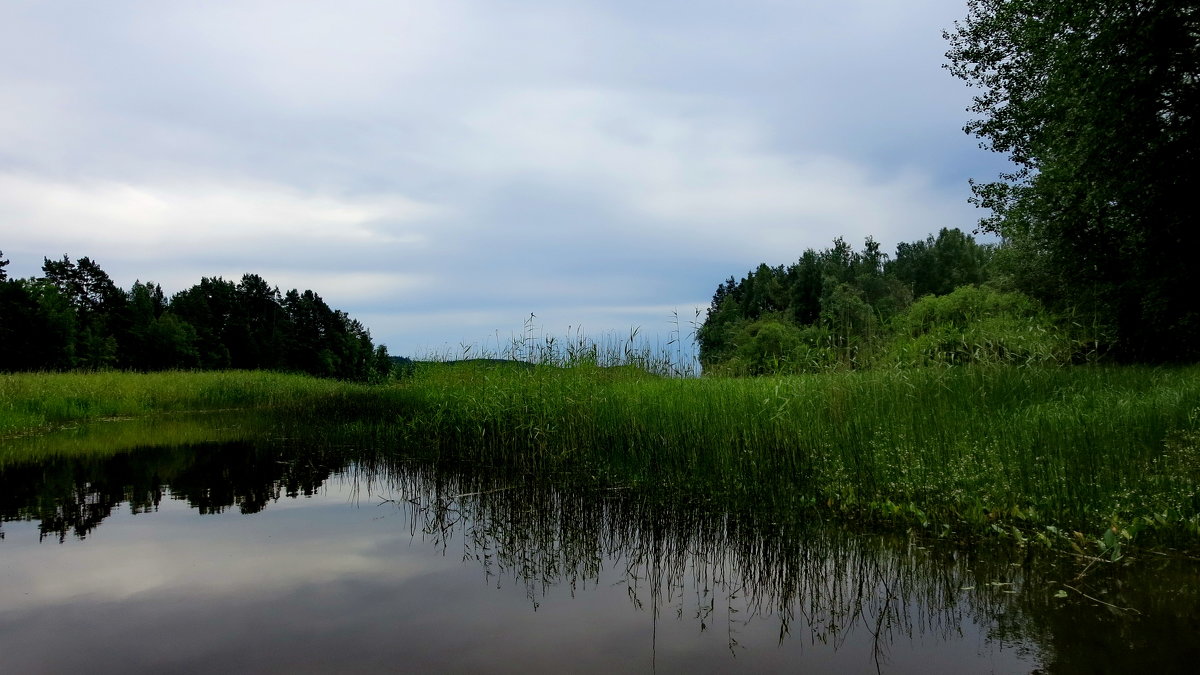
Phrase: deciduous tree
(1095, 103)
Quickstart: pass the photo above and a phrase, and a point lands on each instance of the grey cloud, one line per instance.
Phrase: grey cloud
(555, 155)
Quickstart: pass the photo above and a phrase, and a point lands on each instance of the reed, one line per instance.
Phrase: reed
(1027, 452)
(1068, 456)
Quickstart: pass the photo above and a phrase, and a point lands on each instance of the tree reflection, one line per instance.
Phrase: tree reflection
(72, 496)
(682, 555)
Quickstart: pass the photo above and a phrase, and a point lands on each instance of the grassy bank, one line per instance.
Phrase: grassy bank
(1028, 453)
(39, 402)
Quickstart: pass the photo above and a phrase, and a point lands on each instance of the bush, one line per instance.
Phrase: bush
(976, 325)
(773, 345)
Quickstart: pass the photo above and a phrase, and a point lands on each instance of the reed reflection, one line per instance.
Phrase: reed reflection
(686, 558)
(677, 555)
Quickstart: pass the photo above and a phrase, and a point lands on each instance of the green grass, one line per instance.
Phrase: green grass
(1112, 453)
(1027, 452)
(38, 402)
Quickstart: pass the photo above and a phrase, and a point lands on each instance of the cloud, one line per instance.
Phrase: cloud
(693, 166)
(122, 562)
(357, 288)
(119, 218)
(300, 55)
(443, 168)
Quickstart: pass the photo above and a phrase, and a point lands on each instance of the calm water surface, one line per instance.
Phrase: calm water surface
(257, 553)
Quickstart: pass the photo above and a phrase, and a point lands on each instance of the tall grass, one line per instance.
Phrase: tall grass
(1110, 452)
(31, 402)
(1034, 452)
(676, 357)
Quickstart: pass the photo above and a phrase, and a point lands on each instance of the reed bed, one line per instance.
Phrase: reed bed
(1069, 456)
(1074, 454)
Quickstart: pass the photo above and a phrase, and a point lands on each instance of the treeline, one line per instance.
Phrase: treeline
(939, 300)
(75, 317)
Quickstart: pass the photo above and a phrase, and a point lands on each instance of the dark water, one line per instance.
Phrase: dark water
(258, 552)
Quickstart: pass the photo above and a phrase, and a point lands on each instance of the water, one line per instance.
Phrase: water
(258, 553)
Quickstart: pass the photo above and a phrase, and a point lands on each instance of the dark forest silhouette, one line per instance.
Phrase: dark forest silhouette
(75, 317)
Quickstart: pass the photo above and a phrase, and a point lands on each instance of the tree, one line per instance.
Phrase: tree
(1095, 103)
(976, 325)
(769, 347)
(312, 323)
(76, 317)
(156, 339)
(208, 307)
(835, 299)
(101, 309)
(85, 285)
(256, 338)
(37, 327)
(938, 266)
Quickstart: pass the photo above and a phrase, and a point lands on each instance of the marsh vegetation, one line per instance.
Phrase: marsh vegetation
(1090, 459)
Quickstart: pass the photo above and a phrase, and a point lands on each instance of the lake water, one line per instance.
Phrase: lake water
(237, 549)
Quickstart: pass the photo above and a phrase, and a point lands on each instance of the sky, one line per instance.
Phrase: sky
(444, 169)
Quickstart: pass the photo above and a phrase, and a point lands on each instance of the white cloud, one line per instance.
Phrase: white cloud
(357, 288)
(488, 159)
(300, 54)
(130, 556)
(98, 217)
(684, 164)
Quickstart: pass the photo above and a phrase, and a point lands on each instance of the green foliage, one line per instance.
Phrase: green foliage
(831, 309)
(75, 317)
(38, 328)
(939, 265)
(1095, 103)
(37, 401)
(976, 325)
(851, 321)
(962, 448)
(1025, 452)
(775, 346)
(768, 345)
(209, 308)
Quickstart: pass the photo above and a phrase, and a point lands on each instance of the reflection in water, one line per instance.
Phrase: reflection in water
(680, 559)
(693, 562)
(73, 496)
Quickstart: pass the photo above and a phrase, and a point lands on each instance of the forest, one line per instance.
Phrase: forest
(841, 308)
(75, 317)
(944, 300)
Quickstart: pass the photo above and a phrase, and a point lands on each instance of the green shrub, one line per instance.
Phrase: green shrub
(976, 325)
(773, 345)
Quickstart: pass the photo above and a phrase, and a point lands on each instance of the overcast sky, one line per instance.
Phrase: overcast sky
(443, 168)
